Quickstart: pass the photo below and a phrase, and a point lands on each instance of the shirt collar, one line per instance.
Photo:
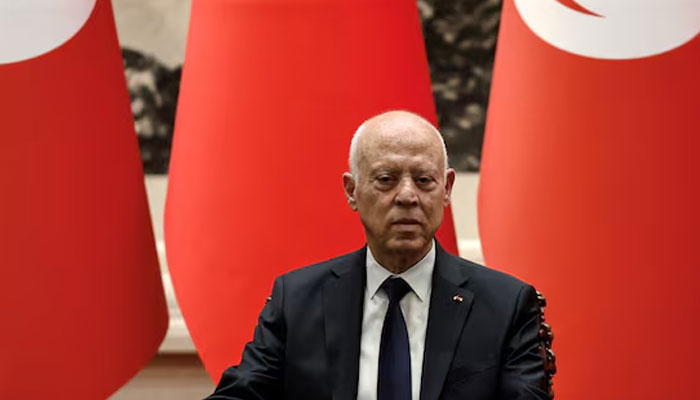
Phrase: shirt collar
(419, 276)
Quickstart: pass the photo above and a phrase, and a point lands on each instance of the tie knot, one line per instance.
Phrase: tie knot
(395, 289)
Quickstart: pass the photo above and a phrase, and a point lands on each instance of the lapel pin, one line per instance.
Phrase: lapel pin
(458, 298)
(268, 299)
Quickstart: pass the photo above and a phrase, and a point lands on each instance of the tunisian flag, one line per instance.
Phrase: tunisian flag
(81, 301)
(590, 187)
(271, 94)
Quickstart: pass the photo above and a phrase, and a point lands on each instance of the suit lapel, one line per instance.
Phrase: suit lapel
(450, 303)
(343, 304)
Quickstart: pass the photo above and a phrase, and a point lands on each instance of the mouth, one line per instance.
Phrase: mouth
(406, 221)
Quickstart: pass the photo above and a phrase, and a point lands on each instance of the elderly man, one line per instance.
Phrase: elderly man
(399, 319)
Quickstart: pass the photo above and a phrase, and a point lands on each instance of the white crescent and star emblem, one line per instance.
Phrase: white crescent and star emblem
(615, 29)
(30, 28)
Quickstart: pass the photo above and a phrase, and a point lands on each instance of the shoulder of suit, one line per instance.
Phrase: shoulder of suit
(482, 275)
(322, 269)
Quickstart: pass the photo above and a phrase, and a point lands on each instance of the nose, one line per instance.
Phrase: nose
(407, 195)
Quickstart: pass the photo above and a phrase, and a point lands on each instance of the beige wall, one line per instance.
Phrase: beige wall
(156, 27)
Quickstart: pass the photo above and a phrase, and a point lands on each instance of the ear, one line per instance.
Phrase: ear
(349, 186)
(449, 181)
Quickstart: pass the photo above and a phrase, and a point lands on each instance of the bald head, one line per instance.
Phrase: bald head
(398, 127)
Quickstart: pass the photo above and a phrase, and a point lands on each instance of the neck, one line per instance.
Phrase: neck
(397, 262)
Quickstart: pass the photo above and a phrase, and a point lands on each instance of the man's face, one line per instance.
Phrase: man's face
(401, 186)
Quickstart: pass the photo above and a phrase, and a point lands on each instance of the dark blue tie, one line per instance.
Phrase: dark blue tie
(394, 379)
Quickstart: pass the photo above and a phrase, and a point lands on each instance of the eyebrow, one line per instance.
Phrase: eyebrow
(393, 169)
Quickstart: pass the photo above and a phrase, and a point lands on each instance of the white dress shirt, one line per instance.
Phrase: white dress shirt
(414, 306)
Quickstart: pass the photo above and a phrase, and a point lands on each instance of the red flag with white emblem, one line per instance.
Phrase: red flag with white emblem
(271, 95)
(82, 305)
(590, 186)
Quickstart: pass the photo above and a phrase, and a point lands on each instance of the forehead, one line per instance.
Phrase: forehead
(401, 142)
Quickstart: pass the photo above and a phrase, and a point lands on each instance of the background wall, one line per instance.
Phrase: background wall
(155, 27)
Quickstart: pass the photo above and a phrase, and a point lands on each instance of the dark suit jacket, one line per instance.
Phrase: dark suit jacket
(307, 342)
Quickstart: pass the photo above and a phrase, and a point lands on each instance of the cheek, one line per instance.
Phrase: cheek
(372, 203)
(434, 207)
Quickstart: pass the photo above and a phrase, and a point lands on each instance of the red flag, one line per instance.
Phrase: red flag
(271, 95)
(82, 302)
(589, 187)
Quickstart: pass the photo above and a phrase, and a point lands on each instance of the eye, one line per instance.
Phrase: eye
(424, 181)
(384, 180)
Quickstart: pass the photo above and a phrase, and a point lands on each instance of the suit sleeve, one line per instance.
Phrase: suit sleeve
(524, 375)
(259, 375)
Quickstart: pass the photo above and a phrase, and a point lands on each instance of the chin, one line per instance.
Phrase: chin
(408, 245)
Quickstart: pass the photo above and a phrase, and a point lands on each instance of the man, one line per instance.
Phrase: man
(400, 318)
